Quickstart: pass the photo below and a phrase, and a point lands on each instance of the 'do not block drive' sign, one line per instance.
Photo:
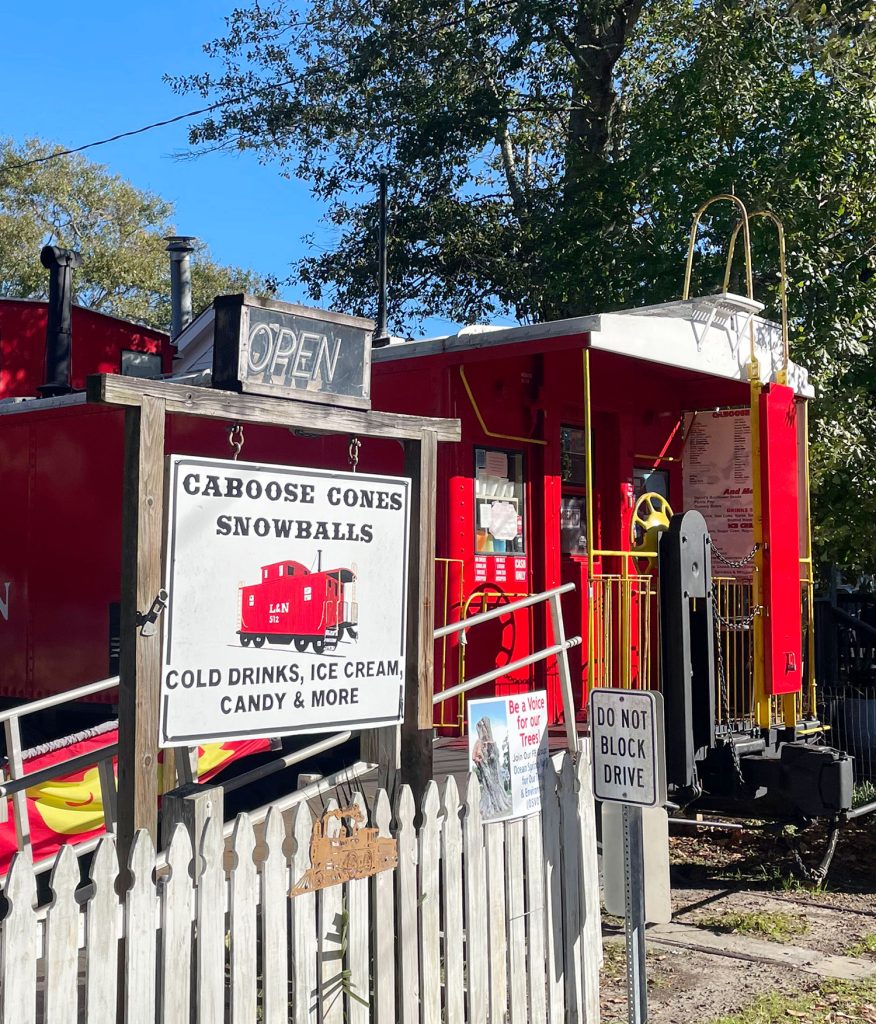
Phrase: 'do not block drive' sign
(626, 730)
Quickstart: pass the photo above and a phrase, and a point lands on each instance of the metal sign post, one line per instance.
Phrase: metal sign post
(629, 769)
(634, 917)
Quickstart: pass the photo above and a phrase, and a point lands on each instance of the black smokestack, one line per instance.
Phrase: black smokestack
(60, 263)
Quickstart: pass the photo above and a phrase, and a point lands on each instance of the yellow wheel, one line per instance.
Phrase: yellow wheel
(651, 516)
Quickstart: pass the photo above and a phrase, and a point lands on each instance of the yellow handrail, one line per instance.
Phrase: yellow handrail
(783, 280)
(749, 280)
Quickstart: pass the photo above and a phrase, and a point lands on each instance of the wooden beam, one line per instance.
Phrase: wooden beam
(421, 465)
(140, 656)
(186, 400)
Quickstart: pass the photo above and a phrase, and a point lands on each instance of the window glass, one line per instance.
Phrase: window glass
(573, 458)
(573, 524)
(499, 502)
(140, 364)
(654, 481)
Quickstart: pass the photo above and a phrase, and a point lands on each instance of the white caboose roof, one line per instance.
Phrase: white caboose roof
(710, 335)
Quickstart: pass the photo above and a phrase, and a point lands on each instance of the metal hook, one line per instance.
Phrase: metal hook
(353, 452)
(235, 439)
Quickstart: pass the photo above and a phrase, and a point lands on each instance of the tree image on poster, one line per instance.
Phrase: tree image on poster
(286, 608)
(717, 483)
(507, 740)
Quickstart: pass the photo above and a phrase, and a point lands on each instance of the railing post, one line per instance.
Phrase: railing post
(108, 794)
(16, 770)
(565, 675)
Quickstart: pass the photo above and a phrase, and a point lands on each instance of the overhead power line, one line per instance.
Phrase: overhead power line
(57, 154)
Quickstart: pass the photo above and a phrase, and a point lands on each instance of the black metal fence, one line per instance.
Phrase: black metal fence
(845, 666)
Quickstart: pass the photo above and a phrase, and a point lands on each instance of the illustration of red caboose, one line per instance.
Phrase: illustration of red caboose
(291, 604)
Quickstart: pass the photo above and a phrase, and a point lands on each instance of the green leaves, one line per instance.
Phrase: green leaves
(546, 159)
(119, 230)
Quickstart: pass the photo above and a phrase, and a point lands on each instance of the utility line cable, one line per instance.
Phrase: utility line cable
(57, 154)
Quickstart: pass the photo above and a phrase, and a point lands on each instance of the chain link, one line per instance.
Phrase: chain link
(235, 440)
(736, 625)
(353, 452)
(734, 563)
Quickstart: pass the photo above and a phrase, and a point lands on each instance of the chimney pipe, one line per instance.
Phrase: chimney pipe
(381, 337)
(60, 263)
(180, 248)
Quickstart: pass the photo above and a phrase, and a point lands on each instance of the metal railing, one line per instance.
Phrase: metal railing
(16, 782)
(622, 654)
(559, 648)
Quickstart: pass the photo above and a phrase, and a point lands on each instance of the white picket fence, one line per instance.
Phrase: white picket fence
(479, 923)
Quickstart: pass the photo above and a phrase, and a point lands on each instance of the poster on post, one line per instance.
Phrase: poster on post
(286, 606)
(507, 747)
(717, 483)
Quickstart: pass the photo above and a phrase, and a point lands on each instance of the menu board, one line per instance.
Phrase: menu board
(717, 483)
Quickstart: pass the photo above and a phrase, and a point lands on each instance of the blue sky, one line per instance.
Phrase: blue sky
(72, 73)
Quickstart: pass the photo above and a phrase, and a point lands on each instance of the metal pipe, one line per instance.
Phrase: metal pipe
(22, 710)
(74, 764)
(180, 248)
(503, 609)
(859, 812)
(278, 764)
(381, 338)
(512, 666)
(59, 326)
(733, 826)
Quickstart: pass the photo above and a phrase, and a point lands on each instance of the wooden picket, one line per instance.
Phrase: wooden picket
(62, 942)
(485, 923)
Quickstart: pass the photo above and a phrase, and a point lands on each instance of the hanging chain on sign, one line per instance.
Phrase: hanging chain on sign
(734, 563)
(235, 440)
(353, 453)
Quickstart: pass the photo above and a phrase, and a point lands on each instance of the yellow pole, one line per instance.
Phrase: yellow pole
(762, 706)
(588, 464)
(810, 575)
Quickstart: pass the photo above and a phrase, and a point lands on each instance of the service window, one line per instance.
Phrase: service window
(573, 524)
(140, 364)
(573, 457)
(499, 502)
(650, 481)
(573, 504)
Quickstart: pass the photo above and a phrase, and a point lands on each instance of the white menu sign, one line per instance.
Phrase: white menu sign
(718, 484)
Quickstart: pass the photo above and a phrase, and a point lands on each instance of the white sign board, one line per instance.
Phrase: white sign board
(286, 609)
(626, 732)
(655, 847)
(507, 747)
(717, 483)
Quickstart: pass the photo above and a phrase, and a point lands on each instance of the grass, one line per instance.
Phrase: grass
(866, 945)
(832, 1001)
(778, 926)
(865, 793)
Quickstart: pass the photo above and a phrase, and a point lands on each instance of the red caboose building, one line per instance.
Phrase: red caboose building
(291, 604)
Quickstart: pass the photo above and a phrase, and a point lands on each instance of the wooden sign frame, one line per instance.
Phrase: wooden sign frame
(147, 404)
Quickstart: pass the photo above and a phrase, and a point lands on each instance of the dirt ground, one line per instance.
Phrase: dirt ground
(697, 973)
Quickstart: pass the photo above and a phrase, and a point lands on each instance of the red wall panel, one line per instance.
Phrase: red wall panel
(781, 561)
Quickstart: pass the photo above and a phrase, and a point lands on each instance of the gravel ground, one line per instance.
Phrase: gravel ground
(716, 873)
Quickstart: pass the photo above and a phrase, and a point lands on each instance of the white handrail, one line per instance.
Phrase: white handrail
(560, 649)
(22, 710)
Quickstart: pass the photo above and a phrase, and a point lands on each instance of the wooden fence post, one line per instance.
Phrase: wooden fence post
(421, 464)
(140, 656)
